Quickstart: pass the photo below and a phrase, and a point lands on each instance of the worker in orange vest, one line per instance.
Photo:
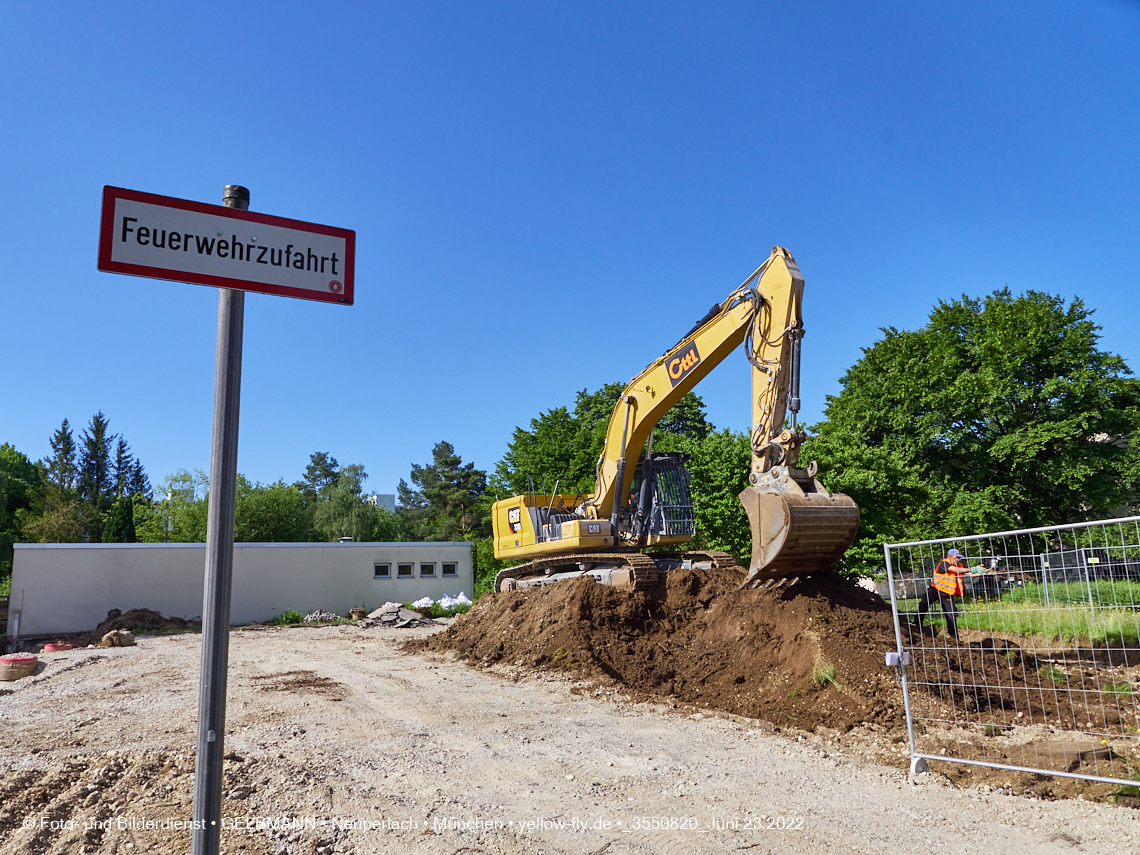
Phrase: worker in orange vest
(946, 584)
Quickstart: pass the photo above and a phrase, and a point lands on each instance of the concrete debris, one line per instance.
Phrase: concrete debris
(321, 616)
(384, 609)
(117, 638)
(395, 616)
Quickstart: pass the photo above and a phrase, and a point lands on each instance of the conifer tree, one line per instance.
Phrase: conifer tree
(96, 484)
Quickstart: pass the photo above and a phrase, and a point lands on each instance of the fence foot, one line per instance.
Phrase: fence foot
(918, 766)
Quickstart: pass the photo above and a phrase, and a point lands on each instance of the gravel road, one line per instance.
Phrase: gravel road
(341, 743)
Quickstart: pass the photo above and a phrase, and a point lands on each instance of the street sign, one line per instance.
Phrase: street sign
(142, 234)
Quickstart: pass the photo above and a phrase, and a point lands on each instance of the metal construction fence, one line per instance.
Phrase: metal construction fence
(1036, 667)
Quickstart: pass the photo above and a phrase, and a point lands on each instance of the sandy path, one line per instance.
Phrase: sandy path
(334, 727)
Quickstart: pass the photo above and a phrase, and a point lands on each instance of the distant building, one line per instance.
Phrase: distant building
(383, 500)
(69, 587)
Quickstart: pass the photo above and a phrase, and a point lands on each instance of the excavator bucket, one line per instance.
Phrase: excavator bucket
(798, 528)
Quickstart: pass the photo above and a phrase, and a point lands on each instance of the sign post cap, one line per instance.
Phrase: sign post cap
(235, 192)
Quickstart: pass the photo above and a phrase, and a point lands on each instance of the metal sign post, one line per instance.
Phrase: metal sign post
(228, 247)
(219, 563)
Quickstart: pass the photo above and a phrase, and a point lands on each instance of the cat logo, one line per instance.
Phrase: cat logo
(593, 528)
(682, 362)
(514, 517)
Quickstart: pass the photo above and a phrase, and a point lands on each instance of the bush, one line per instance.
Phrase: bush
(438, 611)
(288, 617)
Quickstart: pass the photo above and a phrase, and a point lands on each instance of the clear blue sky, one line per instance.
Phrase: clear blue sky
(545, 196)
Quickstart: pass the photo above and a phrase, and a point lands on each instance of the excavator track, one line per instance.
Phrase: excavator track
(638, 571)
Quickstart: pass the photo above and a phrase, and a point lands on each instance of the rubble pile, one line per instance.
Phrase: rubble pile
(321, 616)
(394, 616)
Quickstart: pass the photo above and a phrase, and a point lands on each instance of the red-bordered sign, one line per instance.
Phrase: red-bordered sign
(143, 234)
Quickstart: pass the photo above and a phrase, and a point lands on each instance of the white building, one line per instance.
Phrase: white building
(383, 500)
(69, 587)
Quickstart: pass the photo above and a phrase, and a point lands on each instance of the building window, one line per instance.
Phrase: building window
(450, 568)
(381, 571)
(427, 569)
(404, 571)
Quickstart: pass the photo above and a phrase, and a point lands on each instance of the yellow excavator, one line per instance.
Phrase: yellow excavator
(798, 527)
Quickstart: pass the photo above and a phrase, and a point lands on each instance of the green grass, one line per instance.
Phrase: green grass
(1117, 689)
(1065, 623)
(286, 618)
(1066, 618)
(824, 675)
(1105, 594)
(1130, 791)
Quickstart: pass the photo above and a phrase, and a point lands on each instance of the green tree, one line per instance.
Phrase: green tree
(96, 485)
(178, 515)
(271, 513)
(122, 465)
(138, 484)
(388, 527)
(556, 450)
(60, 469)
(1000, 413)
(342, 509)
(320, 475)
(563, 447)
(119, 521)
(19, 481)
(59, 524)
(445, 504)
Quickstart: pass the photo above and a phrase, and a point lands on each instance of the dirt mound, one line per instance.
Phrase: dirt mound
(761, 653)
(137, 621)
(100, 803)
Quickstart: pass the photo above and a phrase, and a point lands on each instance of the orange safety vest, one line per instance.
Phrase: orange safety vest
(946, 581)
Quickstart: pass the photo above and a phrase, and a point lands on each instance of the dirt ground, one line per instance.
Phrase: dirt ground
(340, 741)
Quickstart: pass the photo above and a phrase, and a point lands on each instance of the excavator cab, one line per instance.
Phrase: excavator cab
(661, 499)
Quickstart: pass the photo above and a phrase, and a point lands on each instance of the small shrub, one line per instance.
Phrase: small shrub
(288, 617)
(824, 675)
(438, 611)
(1053, 674)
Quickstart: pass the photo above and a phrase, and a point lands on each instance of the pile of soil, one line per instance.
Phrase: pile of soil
(137, 621)
(696, 639)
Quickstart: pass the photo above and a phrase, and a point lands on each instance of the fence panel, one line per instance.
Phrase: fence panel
(1036, 667)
